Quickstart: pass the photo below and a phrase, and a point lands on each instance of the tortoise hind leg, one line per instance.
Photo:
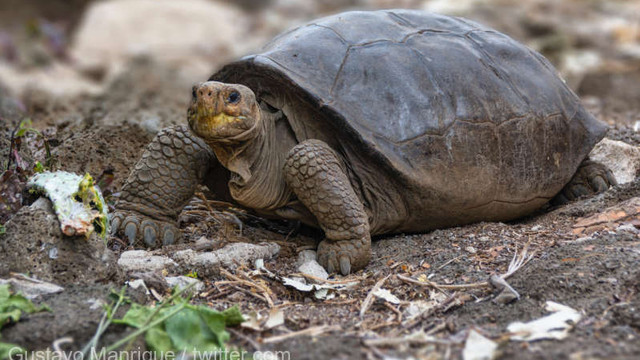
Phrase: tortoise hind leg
(591, 178)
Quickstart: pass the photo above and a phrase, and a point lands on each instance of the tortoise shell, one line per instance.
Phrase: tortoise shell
(469, 123)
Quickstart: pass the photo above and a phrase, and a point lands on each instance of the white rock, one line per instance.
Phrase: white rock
(183, 281)
(184, 33)
(59, 81)
(138, 284)
(386, 295)
(227, 256)
(308, 265)
(623, 159)
(31, 288)
(142, 260)
(478, 347)
(276, 318)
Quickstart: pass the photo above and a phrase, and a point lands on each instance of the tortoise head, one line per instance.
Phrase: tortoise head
(222, 112)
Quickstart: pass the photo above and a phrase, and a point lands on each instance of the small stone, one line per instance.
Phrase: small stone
(308, 264)
(621, 158)
(142, 261)
(182, 282)
(506, 296)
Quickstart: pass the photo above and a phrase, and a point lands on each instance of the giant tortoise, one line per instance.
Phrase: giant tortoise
(366, 123)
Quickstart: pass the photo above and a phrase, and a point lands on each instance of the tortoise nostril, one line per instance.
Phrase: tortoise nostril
(209, 93)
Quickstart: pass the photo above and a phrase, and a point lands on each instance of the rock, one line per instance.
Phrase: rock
(228, 256)
(308, 264)
(204, 263)
(31, 288)
(186, 33)
(182, 282)
(151, 279)
(623, 159)
(34, 244)
(143, 261)
(59, 81)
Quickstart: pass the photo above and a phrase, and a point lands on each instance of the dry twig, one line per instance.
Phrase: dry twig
(311, 331)
(415, 338)
(266, 292)
(326, 281)
(369, 299)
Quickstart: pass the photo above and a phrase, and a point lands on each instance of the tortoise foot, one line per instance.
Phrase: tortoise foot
(140, 230)
(346, 256)
(590, 179)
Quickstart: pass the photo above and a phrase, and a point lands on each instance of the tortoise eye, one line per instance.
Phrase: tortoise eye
(233, 97)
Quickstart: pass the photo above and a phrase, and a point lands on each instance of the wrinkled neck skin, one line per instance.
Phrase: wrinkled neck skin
(257, 180)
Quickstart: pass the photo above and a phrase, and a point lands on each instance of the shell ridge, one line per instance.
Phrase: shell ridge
(400, 20)
(433, 81)
(495, 69)
(340, 68)
(333, 31)
(444, 131)
(276, 63)
(423, 31)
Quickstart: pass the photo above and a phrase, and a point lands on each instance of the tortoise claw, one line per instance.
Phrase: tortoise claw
(346, 256)
(580, 190)
(150, 233)
(139, 230)
(345, 265)
(130, 231)
(170, 235)
(116, 220)
(591, 178)
(599, 184)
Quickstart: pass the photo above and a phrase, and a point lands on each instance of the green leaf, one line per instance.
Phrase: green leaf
(13, 305)
(4, 293)
(190, 327)
(233, 316)
(21, 132)
(10, 350)
(215, 321)
(136, 317)
(38, 167)
(13, 315)
(158, 340)
(3, 230)
(188, 332)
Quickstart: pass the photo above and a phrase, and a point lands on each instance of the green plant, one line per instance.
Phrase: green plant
(12, 306)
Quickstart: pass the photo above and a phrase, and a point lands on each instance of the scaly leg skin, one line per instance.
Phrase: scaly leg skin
(316, 175)
(159, 187)
(591, 178)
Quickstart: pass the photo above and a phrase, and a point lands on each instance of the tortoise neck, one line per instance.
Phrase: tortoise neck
(238, 153)
(256, 167)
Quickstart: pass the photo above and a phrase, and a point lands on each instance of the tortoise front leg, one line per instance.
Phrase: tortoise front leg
(160, 186)
(316, 175)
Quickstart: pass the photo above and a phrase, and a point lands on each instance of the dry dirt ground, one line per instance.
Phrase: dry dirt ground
(595, 270)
